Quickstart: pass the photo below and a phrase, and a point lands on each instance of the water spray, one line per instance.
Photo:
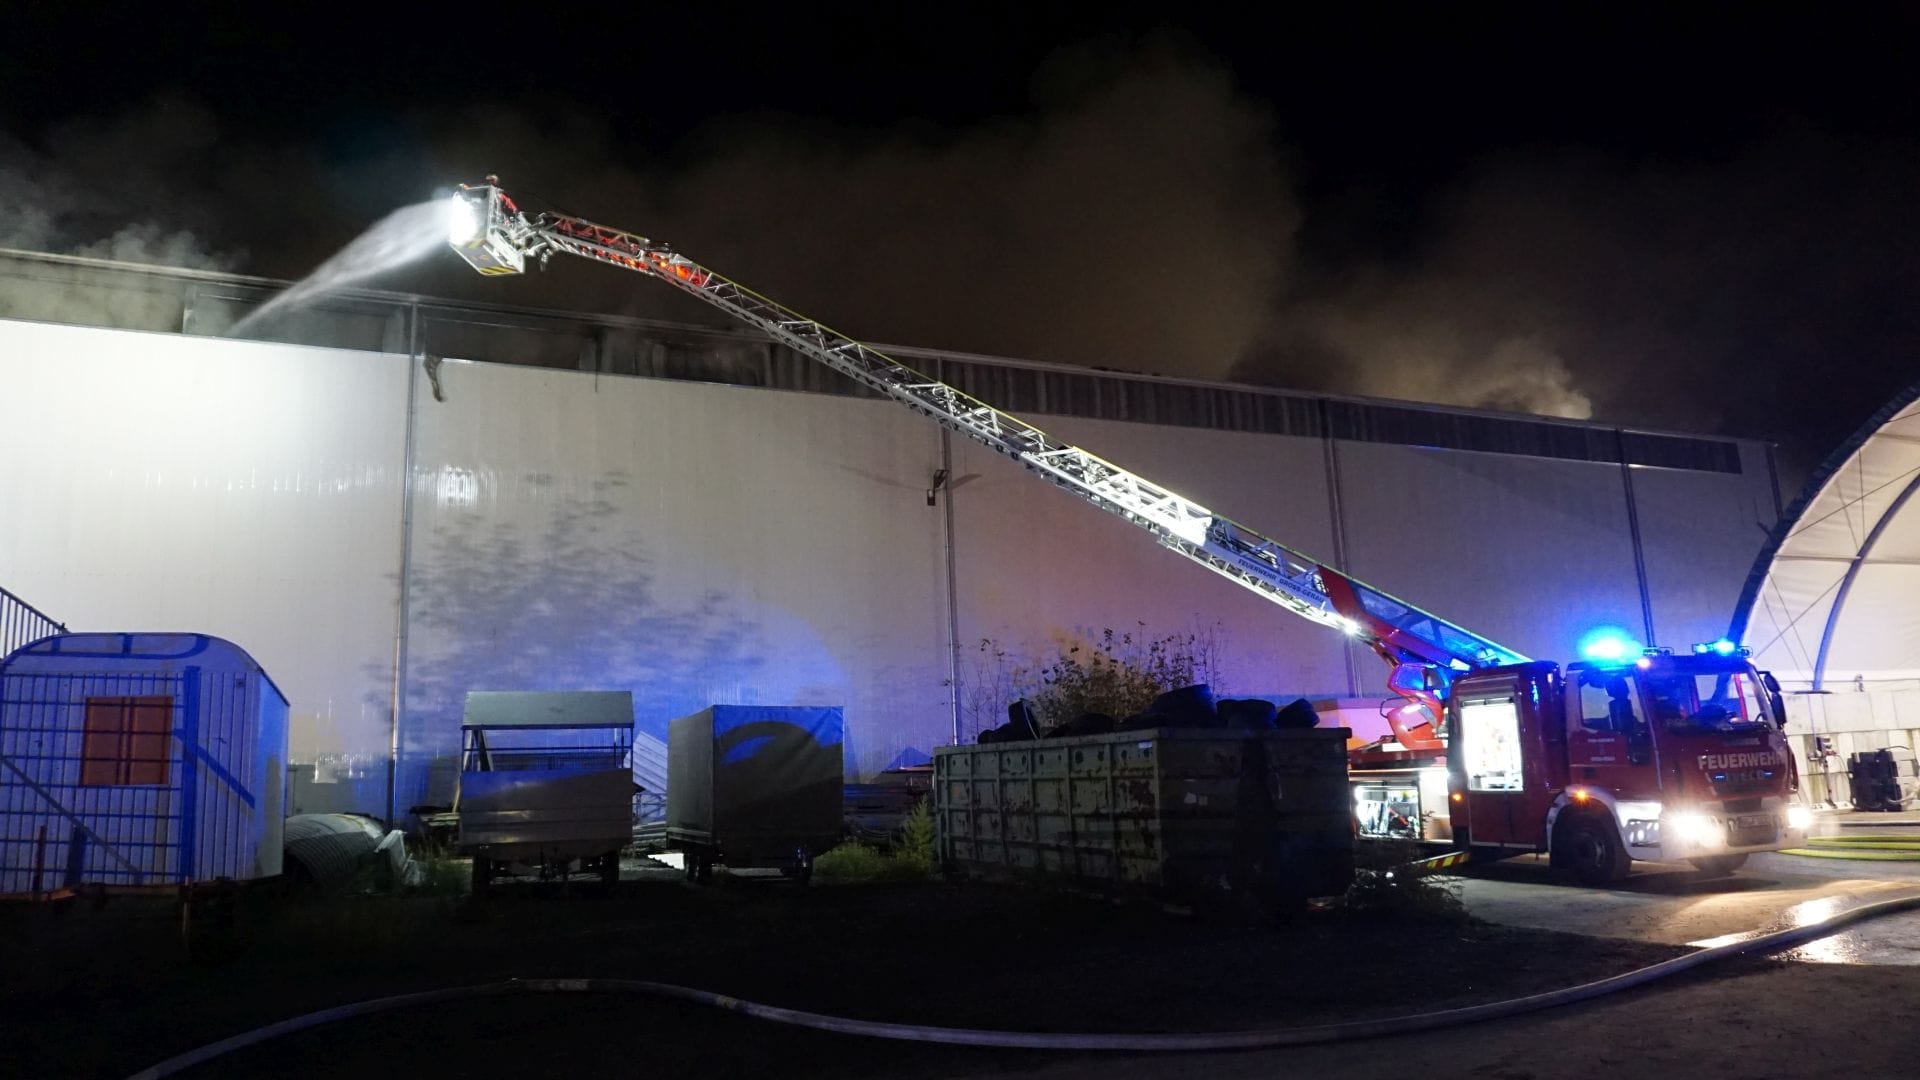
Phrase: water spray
(402, 237)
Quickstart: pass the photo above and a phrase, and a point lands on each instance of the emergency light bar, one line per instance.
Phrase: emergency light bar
(1723, 647)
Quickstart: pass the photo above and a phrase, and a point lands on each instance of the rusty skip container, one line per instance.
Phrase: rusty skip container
(1194, 814)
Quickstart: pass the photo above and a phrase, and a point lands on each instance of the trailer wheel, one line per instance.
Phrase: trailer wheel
(1719, 864)
(482, 875)
(610, 869)
(699, 867)
(1591, 850)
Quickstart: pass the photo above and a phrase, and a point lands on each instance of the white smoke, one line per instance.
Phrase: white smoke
(115, 189)
(1421, 340)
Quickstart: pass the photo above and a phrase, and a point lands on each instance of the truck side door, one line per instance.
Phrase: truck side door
(1498, 756)
(1609, 743)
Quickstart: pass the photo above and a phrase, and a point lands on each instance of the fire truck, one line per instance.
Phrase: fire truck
(1629, 754)
(1625, 755)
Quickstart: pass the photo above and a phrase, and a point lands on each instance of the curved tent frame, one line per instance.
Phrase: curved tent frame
(1810, 606)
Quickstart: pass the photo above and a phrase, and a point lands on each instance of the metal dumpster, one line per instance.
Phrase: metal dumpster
(1201, 815)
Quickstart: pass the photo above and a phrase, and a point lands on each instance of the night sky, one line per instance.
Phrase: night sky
(1702, 220)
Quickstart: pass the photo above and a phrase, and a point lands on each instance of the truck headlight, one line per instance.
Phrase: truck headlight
(1799, 818)
(1694, 829)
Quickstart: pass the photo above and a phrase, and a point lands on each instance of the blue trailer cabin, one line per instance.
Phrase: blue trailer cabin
(138, 760)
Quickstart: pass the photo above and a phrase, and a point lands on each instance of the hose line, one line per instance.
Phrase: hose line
(1031, 1040)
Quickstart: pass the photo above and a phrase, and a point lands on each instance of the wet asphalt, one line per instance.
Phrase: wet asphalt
(1675, 904)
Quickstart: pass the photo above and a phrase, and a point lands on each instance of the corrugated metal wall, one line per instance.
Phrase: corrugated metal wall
(702, 543)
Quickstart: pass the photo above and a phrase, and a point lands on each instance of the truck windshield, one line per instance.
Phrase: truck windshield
(1713, 701)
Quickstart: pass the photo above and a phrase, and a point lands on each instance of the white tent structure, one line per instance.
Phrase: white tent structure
(1832, 607)
(1835, 601)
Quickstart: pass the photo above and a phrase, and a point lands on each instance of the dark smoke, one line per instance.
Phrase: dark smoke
(1767, 295)
(1142, 223)
(1143, 216)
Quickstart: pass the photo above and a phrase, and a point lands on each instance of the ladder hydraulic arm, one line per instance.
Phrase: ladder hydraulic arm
(496, 237)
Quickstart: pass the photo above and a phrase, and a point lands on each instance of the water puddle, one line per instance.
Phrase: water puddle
(1892, 939)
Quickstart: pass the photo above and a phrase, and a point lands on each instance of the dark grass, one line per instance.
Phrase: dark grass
(102, 993)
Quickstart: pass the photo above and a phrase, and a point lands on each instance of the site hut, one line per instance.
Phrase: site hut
(138, 760)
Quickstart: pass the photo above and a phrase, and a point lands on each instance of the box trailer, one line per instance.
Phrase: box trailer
(1203, 815)
(755, 785)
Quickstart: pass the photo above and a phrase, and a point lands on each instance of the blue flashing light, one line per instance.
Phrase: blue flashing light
(1723, 647)
(1609, 645)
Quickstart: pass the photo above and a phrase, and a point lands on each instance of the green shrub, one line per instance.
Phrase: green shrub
(1116, 674)
(916, 844)
(860, 864)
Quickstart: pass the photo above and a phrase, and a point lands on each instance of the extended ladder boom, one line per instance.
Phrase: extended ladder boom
(496, 237)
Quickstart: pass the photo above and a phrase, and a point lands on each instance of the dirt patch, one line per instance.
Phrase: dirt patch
(966, 956)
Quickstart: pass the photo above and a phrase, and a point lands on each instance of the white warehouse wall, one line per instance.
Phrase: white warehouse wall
(695, 543)
(1701, 533)
(701, 543)
(154, 482)
(1037, 566)
(1529, 552)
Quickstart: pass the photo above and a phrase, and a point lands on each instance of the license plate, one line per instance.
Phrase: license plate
(1752, 821)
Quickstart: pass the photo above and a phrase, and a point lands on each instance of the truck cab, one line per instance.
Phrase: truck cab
(1660, 758)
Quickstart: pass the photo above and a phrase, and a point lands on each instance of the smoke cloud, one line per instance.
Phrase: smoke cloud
(110, 190)
(1766, 294)
(1144, 215)
(1420, 338)
(1140, 218)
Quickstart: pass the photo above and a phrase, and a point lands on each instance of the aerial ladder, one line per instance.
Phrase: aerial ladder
(495, 236)
(1636, 754)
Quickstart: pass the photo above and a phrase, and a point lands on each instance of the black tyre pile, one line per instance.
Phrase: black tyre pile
(1185, 707)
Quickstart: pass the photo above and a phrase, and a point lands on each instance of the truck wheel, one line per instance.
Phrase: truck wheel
(482, 875)
(610, 869)
(1719, 864)
(1591, 850)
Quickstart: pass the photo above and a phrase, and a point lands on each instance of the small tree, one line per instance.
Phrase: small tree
(989, 685)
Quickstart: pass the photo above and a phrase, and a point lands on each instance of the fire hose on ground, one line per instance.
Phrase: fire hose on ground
(1027, 1040)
